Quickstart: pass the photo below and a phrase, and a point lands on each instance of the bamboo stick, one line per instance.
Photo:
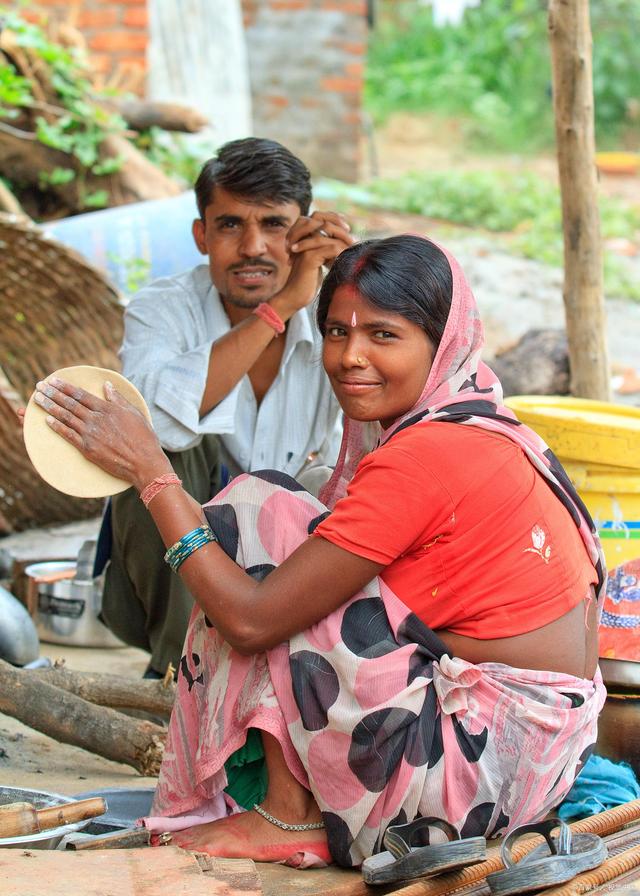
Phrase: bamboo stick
(604, 823)
(610, 869)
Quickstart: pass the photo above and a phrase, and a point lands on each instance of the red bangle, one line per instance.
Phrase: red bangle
(156, 485)
(266, 313)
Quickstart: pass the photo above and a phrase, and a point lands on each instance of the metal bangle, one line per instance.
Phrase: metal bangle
(192, 541)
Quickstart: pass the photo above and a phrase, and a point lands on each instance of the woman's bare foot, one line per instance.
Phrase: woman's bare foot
(249, 836)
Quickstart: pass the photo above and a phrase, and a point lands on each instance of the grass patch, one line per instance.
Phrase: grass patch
(493, 70)
(523, 208)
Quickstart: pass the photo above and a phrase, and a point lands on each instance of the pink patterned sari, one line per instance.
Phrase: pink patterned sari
(373, 716)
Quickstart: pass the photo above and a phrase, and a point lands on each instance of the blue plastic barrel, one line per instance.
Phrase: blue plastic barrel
(134, 244)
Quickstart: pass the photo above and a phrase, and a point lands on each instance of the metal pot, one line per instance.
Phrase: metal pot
(67, 608)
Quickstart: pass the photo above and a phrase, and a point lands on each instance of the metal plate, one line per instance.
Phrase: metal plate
(40, 799)
(620, 673)
(125, 806)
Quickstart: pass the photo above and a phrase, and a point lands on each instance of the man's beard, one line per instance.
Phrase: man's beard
(245, 300)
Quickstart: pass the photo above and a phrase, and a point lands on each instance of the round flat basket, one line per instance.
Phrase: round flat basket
(56, 311)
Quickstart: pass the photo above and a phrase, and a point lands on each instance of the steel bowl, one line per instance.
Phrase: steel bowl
(40, 799)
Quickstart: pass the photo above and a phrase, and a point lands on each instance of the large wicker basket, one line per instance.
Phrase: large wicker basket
(55, 311)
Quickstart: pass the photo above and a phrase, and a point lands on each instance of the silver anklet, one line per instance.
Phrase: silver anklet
(313, 826)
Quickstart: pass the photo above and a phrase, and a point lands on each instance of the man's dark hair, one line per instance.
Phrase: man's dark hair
(256, 169)
(406, 274)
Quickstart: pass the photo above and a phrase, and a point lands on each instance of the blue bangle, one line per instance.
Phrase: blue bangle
(192, 541)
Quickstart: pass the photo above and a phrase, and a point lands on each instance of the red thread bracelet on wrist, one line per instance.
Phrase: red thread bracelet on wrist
(266, 313)
(156, 485)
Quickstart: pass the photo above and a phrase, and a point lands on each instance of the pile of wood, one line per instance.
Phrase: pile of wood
(26, 161)
(88, 711)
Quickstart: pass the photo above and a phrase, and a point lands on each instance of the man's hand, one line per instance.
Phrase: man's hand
(313, 242)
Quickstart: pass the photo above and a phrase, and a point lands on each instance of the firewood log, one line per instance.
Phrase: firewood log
(115, 691)
(72, 720)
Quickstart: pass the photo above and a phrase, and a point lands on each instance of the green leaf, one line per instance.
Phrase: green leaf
(99, 199)
(108, 166)
(61, 176)
(52, 135)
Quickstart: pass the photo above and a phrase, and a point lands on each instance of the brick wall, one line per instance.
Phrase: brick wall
(115, 32)
(306, 61)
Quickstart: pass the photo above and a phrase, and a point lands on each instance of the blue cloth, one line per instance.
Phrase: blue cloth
(601, 785)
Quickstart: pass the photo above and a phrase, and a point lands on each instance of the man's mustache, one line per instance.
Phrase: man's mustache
(253, 263)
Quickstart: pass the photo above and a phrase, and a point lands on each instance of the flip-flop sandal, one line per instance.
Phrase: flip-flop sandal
(401, 861)
(554, 862)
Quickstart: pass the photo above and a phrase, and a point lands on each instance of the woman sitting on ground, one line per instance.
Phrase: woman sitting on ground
(424, 647)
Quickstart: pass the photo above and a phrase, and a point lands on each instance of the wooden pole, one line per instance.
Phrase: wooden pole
(570, 39)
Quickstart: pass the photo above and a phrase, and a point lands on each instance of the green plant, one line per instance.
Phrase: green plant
(72, 119)
(523, 209)
(136, 271)
(178, 156)
(493, 71)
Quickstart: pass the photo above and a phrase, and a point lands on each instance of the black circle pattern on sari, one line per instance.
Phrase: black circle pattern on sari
(315, 687)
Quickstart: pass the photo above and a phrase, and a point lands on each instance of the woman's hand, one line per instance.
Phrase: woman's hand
(111, 433)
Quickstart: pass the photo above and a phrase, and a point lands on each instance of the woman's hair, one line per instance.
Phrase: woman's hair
(257, 169)
(406, 274)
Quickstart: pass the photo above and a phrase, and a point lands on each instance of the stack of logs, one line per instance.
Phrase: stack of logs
(84, 709)
(24, 158)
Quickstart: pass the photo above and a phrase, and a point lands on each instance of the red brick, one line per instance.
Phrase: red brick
(277, 100)
(97, 18)
(354, 49)
(132, 62)
(136, 17)
(354, 68)
(353, 118)
(32, 15)
(100, 62)
(279, 5)
(113, 41)
(122, 2)
(310, 102)
(355, 7)
(341, 85)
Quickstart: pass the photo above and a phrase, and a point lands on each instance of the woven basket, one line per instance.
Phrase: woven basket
(55, 311)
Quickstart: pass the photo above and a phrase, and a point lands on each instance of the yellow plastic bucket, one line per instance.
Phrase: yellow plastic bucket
(599, 446)
(582, 430)
(612, 495)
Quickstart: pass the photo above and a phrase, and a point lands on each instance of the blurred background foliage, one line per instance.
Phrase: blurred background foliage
(493, 70)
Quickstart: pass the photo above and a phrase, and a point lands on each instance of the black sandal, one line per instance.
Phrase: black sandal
(554, 862)
(401, 861)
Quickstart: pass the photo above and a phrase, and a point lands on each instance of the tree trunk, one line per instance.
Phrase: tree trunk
(143, 114)
(71, 720)
(115, 691)
(24, 158)
(570, 39)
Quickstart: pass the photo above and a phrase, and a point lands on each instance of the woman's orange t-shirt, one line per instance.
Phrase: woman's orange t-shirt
(472, 538)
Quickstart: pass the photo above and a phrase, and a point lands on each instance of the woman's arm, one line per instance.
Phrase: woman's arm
(252, 616)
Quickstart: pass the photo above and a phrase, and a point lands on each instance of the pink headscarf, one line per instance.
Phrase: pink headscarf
(460, 388)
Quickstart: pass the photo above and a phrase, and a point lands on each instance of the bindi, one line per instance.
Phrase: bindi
(354, 319)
